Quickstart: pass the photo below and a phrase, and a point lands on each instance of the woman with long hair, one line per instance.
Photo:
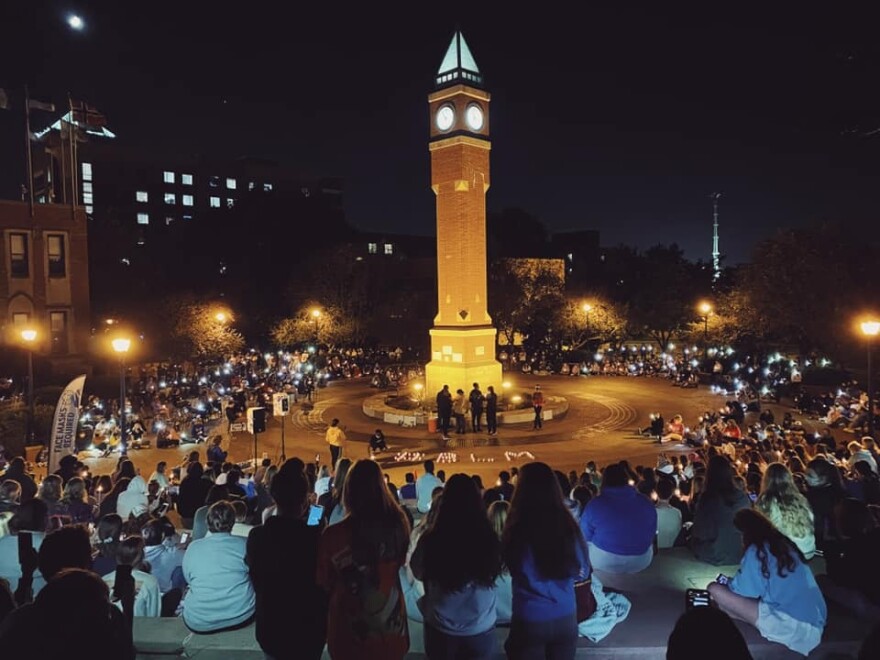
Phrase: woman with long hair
(498, 512)
(76, 499)
(332, 500)
(358, 563)
(546, 553)
(51, 491)
(773, 589)
(788, 510)
(109, 501)
(458, 558)
(714, 537)
(109, 534)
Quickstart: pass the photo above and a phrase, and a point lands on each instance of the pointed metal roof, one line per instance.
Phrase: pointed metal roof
(458, 64)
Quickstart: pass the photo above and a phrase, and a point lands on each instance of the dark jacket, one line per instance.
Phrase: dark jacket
(28, 486)
(714, 538)
(192, 495)
(291, 607)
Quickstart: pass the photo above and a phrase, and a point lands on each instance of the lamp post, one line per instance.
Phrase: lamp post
(705, 309)
(121, 346)
(870, 329)
(587, 307)
(29, 336)
(316, 314)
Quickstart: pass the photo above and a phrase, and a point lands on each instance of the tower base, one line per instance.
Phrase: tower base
(461, 357)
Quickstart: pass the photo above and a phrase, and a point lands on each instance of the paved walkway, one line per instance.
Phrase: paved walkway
(600, 425)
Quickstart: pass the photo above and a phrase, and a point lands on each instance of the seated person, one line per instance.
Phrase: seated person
(668, 516)
(847, 582)
(619, 525)
(674, 430)
(220, 594)
(377, 442)
(714, 538)
(30, 518)
(773, 589)
(166, 564)
(693, 628)
(147, 600)
(408, 490)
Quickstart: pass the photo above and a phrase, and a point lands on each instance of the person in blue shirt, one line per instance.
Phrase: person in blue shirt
(620, 525)
(773, 589)
(545, 552)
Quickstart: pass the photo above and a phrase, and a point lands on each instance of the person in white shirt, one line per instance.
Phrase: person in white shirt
(147, 600)
(425, 486)
(668, 516)
(322, 483)
(135, 494)
(859, 453)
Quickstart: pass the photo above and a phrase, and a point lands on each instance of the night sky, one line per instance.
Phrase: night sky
(622, 120)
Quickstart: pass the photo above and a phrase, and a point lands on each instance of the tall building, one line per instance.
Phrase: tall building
(463, 337)
(44, 281)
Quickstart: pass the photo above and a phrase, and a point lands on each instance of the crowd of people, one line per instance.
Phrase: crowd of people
(222, 545)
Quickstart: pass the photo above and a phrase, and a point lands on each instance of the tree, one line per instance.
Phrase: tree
(602, 322)
(196, 331)
(666, 289)
(330, 327)
(519, 289)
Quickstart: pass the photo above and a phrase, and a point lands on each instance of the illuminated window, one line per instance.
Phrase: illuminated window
(267, 187)
(170, 198)
(57, 257)
(214, 181)
(215, 202)
(89, 208)
(142, 196)
(86, 171)
(168, 177)
(250, 185)
(169, 219)
(88, 198)
(186, 179)
(18, 255)
(21, 319)
(187, 200)
(372, 248)
(87, 186)
(187, 218)
(143, 218)
(230, 184)
(230, 202)
(389, 248)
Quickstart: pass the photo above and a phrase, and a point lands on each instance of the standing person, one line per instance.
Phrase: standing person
(335, 438)
(425, 486)
(538, 407)
(773, 589)
(444, 411)
(282, 556)
(458, 558)
(491, 410)
(231, 415)
(359, 562)
(476, 400)
(459, 410)
(545, 552)
(215, 453)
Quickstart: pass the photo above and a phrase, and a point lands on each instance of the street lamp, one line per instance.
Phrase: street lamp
(870, 328)
(29, 336)
(705, 309)
(316, 314)
(419, 388)
(221, 317)
(121, 346)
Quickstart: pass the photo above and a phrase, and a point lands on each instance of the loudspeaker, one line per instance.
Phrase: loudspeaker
(256, 419)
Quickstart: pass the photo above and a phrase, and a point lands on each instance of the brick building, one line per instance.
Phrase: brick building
(44, 281)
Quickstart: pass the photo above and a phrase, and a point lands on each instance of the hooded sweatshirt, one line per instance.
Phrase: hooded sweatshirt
(135, 494)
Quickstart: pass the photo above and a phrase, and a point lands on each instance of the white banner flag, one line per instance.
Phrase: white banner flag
(63, 440)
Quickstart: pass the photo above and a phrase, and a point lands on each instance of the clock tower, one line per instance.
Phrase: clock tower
(463, 337)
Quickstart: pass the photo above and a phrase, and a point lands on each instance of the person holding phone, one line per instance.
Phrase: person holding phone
(282, 559)
(773, 589)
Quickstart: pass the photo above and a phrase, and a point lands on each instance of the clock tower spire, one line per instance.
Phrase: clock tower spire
(463, 337)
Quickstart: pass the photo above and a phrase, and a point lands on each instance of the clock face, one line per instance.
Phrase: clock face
(474, 117)
(445, 118)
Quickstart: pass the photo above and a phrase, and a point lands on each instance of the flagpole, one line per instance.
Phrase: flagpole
(27, 141)
(72, 158)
